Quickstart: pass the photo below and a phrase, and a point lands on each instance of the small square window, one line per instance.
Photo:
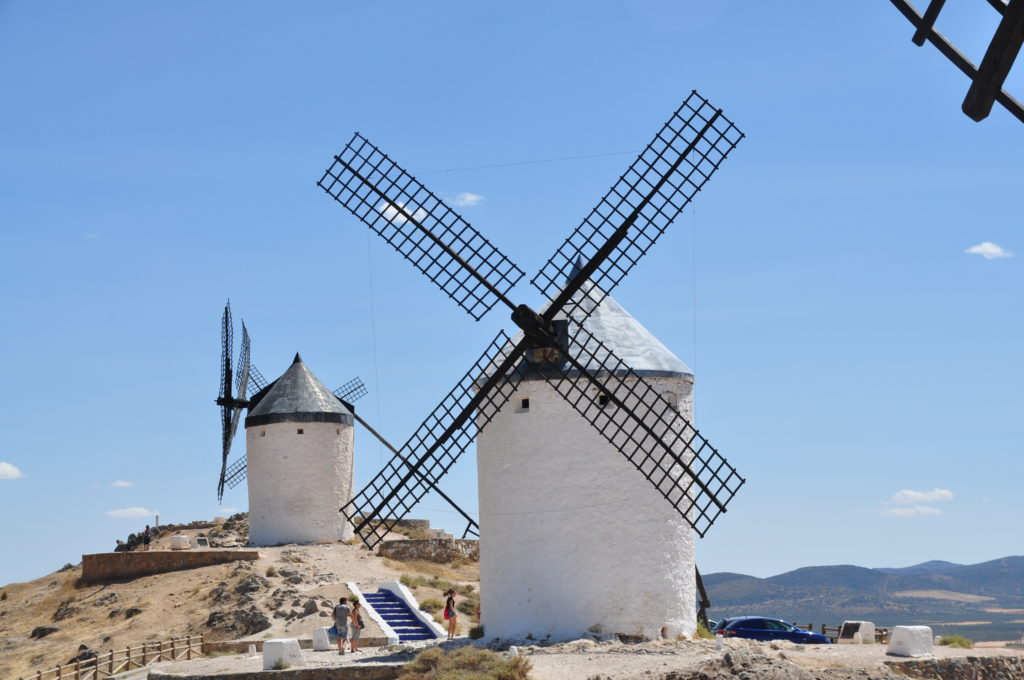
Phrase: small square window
(300, 430)
(603, 399)
(337, 431)
(524, 404)
(263, 433)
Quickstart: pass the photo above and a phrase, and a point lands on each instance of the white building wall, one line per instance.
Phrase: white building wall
(573, 537)
(298, 482)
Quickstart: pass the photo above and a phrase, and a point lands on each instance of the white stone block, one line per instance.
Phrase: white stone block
(180, 542)
(282, 649)
(321, 640)
(910, 641)
(850, 629)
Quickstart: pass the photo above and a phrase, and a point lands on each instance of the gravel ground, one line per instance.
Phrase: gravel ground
(589, 659)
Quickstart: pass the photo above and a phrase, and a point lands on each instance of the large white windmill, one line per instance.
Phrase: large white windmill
(607, 429)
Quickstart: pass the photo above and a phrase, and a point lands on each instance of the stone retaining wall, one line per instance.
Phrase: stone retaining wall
(125, 565)
(439, 550)
(242, 646)
(968, 668)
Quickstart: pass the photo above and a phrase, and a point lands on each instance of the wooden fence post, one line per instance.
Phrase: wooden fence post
(110, 664)
(188, 648)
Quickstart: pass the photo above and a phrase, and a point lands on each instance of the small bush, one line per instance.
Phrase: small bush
(466, 662)
(416, 580)
(280, 665)
(468, 605)
(956, 641)
(476, 632)
(3, 595)
(271, 571)
(432, 605)
(704, 633)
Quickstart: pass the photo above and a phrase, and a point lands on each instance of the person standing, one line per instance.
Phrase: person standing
(357, 626)
(450, 613)
(342, 613)
(146, 536)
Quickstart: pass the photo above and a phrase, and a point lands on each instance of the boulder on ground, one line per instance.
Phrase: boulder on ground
(43, 631)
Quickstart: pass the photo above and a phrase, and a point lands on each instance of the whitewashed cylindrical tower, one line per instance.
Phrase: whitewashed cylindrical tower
(299, 445)
(573, 537)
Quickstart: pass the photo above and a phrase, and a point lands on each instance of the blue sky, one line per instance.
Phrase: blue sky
(853, 360)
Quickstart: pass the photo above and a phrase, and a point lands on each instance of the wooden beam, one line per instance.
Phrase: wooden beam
(999, 58)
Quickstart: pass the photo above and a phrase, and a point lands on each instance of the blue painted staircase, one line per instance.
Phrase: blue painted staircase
(398, 615)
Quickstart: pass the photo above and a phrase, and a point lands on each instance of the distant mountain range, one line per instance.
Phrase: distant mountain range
(981, 601)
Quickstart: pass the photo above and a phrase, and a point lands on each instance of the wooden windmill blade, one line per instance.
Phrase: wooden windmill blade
(644, 427)
(224, 399)
(437, 443)
(352, 391)
(988, 78)
(637, 209)
(231, 406)
(236, 472)
(418, 224)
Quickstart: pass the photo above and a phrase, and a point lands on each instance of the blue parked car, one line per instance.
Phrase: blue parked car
(762, 628)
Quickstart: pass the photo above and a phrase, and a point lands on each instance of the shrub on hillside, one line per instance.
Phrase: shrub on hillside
(466, 662)
(956, 641)
(476, 632)
(431, 605)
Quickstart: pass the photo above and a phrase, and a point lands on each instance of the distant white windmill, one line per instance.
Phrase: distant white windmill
(300, 447)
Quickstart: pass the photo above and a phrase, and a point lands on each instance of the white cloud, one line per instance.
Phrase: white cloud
(136, 512)
(915, 511)
(8, 471)
(466, 198)
(395, 216)
(989, 250)
(122, 482)
(910, 497)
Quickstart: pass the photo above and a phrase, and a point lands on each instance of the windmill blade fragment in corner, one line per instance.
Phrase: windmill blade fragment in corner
(628, 220)
(649, 431)
(438, 442)
(352, 391)
(986, 81)
(416, 223)
(236, 472)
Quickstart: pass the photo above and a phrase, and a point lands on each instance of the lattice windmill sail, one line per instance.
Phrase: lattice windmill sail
(625, 224)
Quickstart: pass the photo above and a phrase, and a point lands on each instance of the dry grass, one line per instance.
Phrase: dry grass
(454, 571)
(466, 663)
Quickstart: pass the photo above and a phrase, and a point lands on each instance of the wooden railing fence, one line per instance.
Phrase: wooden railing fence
(121, 660)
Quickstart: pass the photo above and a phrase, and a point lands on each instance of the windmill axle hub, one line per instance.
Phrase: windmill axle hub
(548, 339)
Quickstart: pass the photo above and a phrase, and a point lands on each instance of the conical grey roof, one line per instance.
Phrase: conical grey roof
(298, 396)
(609, 322)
